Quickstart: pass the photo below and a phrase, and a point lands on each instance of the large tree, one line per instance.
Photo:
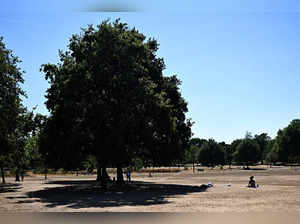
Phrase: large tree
(10, 101)
(108, 98)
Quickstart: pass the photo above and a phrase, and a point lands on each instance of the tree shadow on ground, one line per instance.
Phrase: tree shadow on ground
(9, 187)
(88, 194)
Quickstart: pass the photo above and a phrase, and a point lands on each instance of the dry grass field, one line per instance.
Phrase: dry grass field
(279, 191)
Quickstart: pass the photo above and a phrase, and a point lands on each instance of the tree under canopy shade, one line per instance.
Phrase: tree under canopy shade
(109, 98)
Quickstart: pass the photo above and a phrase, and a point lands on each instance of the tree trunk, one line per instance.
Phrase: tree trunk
(105, 175)
(17, 175)
(120, 179)
(3, 175)
(193, 167)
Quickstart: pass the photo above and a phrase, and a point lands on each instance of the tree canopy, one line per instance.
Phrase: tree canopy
(108, 98)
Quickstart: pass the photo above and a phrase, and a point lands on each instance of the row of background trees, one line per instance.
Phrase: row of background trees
(251, 150)
(111, 106)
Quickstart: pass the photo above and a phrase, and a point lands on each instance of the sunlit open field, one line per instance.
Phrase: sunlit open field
(278, 191)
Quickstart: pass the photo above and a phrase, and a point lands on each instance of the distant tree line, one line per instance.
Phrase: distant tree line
(260, 149)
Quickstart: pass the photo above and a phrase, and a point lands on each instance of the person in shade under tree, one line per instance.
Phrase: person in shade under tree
(128, 174)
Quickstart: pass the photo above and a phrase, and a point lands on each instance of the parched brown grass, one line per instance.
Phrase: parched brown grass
(161, 170)
(279, 191)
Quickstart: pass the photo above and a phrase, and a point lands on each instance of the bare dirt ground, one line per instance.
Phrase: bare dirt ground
(279, 191)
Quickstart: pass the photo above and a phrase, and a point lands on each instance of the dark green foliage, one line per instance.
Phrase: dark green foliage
(211, 154)
(25, 126)
(197, 142)
(191, 154)
(235, 144)
(262, 140)
(288, 141)
(228, 152)
(61, 148)
(34, 159)
(24, 152)
(232, 149)
(247, 152)
(137, 163)
(90, 164)
(272, 155)
(32, 152)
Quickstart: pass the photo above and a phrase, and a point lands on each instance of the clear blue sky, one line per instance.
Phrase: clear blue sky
(239, 61)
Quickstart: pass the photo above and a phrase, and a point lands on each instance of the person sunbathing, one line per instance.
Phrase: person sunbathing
(252, 182)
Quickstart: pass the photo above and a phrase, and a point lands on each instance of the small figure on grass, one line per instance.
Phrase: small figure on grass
(252, 182)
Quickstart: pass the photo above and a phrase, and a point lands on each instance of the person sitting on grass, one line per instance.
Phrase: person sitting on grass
(252, 182)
